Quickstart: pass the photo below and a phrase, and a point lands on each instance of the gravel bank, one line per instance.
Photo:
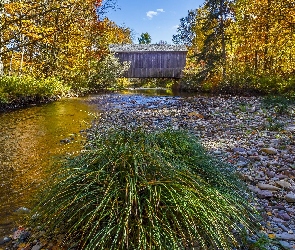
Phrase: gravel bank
(259, 141)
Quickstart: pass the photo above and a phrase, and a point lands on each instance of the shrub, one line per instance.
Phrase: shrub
(139, 190)
(106, 72)
(20, 87)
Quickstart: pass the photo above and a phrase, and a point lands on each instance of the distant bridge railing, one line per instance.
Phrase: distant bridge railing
(151, 60)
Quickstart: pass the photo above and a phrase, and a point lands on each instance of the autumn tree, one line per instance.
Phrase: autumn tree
(109, 33)
(264, 35)
(2, 27)
(57, 38)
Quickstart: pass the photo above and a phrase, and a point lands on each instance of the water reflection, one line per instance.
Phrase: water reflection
(29, 142)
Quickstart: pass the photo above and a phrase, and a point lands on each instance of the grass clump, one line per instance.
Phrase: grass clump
(280, 104)
(140, 190)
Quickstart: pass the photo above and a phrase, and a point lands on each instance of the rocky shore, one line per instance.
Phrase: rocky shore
(258, 140)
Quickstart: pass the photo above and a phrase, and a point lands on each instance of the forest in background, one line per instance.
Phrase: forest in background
(55, 48)
(240, 46)
(57, 43)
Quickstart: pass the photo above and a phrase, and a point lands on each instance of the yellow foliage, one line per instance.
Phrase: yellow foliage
(57, 38)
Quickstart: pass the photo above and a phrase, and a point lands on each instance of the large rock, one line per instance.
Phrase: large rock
(267, 187)
(283, 184)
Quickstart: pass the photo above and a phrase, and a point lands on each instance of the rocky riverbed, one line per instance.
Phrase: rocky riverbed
(258, 140)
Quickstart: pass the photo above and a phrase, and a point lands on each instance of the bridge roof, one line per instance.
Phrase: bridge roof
(146, 47)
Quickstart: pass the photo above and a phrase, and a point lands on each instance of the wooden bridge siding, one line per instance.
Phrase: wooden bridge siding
(156, 64)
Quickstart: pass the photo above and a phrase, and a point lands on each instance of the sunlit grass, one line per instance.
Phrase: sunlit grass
(139, 190)
(13, 88)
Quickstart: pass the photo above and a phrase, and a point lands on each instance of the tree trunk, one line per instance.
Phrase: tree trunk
(22, 56)
(223, 45)
(1, 64)
(10, 64)
(1, 38)
(266, 38)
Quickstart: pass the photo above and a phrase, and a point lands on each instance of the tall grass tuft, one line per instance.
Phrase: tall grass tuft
(140, 190)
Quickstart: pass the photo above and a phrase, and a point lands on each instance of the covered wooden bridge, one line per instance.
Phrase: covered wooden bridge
(152, 60)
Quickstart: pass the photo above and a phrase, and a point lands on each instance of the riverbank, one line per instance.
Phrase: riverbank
(26, 102)
(243, 131)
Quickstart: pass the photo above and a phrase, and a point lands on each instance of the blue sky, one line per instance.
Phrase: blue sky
(157, 17)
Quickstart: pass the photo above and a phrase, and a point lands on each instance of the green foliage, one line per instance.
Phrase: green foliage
(140, 190)
(152, 82)
(20, 87)
(106, 73)
(244, 83)
(3, 96)
(276, 84)
(280, 104)
(273, 124)
(185, 30)
(145, 38)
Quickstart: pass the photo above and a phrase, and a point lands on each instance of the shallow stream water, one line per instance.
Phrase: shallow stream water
(32, 139)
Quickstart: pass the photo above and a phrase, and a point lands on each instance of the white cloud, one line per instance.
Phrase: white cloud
(150, 14)
(175, 27)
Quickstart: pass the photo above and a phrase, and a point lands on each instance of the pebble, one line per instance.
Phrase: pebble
(285, 236)
(284, 216)
(283, 227)
(290, 128)
(290, 197)
(283, 184)
(241, 164)
(5, 240)
(264, 194)
(270, 174)
(270, 151)
(36, 247)
(286, 244)
(267, 187)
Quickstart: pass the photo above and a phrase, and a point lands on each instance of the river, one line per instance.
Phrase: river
(32, 139)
